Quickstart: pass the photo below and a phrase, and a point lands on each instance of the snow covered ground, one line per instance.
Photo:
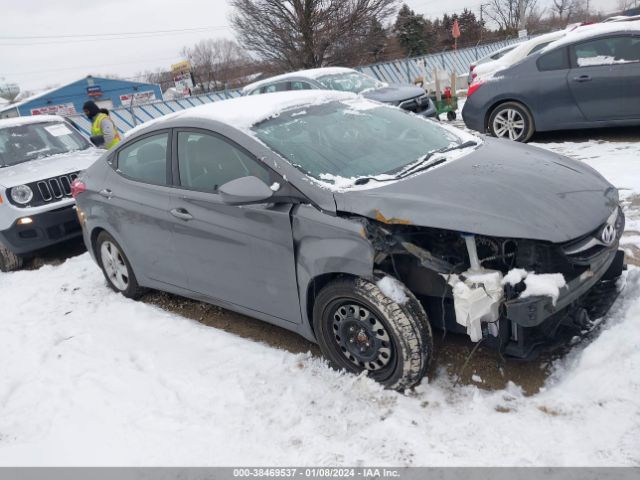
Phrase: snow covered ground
(91, 378)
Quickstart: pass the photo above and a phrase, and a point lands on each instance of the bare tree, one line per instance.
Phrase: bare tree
(563, 8)
(309, 33)
(213, 61)
(510, 14)
(624, 5)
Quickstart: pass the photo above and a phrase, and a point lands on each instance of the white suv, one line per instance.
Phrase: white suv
(39, 158)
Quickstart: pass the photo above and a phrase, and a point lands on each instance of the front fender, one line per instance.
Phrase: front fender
(327, 245)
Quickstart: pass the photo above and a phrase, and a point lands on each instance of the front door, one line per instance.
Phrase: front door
(243, 255)
(605, 77)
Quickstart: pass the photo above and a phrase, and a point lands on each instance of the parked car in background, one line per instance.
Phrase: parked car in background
(590, 78)
(406, 96)
(489, 58)
(39, 159)
(622, 18)
(356, 225)
(521, 51)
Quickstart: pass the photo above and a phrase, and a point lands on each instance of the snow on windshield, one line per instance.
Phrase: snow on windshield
(25, 141)
(358, 144)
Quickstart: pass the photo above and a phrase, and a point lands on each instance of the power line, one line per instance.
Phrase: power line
(106, 39)
(75, 35)
(94, 66)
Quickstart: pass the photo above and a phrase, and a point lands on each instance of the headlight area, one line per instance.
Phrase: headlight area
(517, 296)
(21, 194)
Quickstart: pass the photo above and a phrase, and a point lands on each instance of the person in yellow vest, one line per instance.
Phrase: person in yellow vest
(104, 133)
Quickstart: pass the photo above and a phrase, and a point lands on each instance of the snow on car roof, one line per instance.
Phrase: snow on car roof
(244, 112)
(313, 74)
(18, 121)
(585, 32)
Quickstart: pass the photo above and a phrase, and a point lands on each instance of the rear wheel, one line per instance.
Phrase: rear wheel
(511, 120)
(451, 116)
(9, 261)
(116, 267)
(358, 328)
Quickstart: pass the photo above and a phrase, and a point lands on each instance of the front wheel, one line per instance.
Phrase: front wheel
(116, 267)
(451, 116)
(9, 261)
(512, 121)
(359, 328)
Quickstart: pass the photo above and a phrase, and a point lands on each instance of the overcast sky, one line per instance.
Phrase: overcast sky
(36, 63)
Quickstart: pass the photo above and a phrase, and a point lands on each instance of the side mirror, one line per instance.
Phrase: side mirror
(245, 191)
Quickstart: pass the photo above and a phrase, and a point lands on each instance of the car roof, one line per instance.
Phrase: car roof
(586, 32)
(18, 121)
(312, 74)
(244, 112)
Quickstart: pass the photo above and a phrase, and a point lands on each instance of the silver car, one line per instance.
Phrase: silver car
(357, 225)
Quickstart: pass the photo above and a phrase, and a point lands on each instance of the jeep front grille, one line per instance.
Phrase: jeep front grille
(50, 190)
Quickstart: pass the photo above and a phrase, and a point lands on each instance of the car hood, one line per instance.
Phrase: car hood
(48, 167)
(502, 189)
(394, 93)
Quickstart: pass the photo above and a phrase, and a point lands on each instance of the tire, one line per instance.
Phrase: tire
(359, 328)
(451, 116)
(116, 267)
(9, 261)
(511, 120)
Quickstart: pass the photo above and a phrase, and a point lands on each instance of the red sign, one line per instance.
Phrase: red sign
(63, 109)
(455, 31)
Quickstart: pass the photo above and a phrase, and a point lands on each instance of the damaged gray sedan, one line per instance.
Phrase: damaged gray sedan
(357, 225)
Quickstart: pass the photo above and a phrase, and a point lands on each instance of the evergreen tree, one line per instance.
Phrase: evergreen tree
(410, 31)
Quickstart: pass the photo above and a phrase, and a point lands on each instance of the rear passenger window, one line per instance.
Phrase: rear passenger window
(554, 60)
(276, 87)
(607, 51)
(145, 160)
(207, 161)
(300, 86)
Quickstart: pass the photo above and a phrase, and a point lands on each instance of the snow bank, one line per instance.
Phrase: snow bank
(91, 378)
(393, 290)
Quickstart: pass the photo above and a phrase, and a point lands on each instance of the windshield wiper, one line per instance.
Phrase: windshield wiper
(425, 164)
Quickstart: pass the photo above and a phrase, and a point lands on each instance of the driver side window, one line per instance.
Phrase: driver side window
(206, 162)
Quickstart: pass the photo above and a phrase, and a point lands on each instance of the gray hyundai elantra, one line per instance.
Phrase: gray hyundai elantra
(357, 225)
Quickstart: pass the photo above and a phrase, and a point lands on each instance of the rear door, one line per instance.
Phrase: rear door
(605, 77)
(554, 105)
(136, 204)
(243, 255)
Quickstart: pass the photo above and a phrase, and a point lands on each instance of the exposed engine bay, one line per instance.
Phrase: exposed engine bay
(515, 294)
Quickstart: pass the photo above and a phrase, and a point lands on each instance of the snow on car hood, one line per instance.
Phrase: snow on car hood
(501, 189)
(48, 167)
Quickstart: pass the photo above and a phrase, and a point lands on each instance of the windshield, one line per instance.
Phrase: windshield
(351, 139)
(355, 82)
(22, 143)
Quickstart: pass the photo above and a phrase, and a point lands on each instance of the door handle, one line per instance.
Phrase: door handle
(106, 193)
(582, 78)
(181, 213)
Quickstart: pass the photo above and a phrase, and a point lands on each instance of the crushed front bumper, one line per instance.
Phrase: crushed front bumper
(45, 229)
(534, 323)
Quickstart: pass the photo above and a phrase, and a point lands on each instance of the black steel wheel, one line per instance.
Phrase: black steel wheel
(358, 328)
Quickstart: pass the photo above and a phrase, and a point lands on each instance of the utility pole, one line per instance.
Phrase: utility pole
(482, 5)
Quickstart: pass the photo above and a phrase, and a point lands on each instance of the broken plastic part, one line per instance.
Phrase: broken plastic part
(477, 296)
